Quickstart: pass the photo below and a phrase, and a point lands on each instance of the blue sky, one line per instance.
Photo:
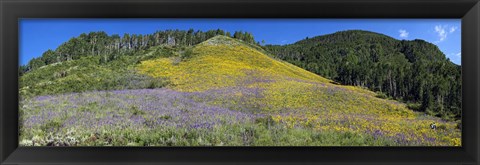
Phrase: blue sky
(39, 35)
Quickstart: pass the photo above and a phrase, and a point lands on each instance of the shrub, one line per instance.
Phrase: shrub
(156, 83)
(89, 107)
(265, 121)
(188, 53)
(176, 60)
(381, 95)
(414, 106)
(248, 136)
(136, 111)
(165, 117)
(442, 127)
(52, 125)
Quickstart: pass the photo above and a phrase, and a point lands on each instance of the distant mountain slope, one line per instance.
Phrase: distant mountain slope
(414, 71)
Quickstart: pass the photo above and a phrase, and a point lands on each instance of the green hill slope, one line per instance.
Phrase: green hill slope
(289, 94)
(222, 62)
(90, 73)
(221, 91)
(413, 71)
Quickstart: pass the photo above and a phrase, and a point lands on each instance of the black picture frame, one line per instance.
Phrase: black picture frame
(13, 10)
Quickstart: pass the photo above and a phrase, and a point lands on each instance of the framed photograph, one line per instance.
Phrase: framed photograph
(239, 82)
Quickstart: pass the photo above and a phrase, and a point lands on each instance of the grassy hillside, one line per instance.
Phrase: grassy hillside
(219, 92)
(222, 62)
(89, 73)
(291, 95)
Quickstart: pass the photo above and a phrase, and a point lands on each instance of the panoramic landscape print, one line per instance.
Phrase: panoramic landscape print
(240, 82)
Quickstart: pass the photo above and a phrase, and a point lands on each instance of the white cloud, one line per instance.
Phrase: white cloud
(403, 33)
(459, 54)
(443, 31)
(442, 34)
(453, 29)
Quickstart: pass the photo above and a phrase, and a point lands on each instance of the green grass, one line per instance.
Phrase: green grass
(89, 73)
(237, 135)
